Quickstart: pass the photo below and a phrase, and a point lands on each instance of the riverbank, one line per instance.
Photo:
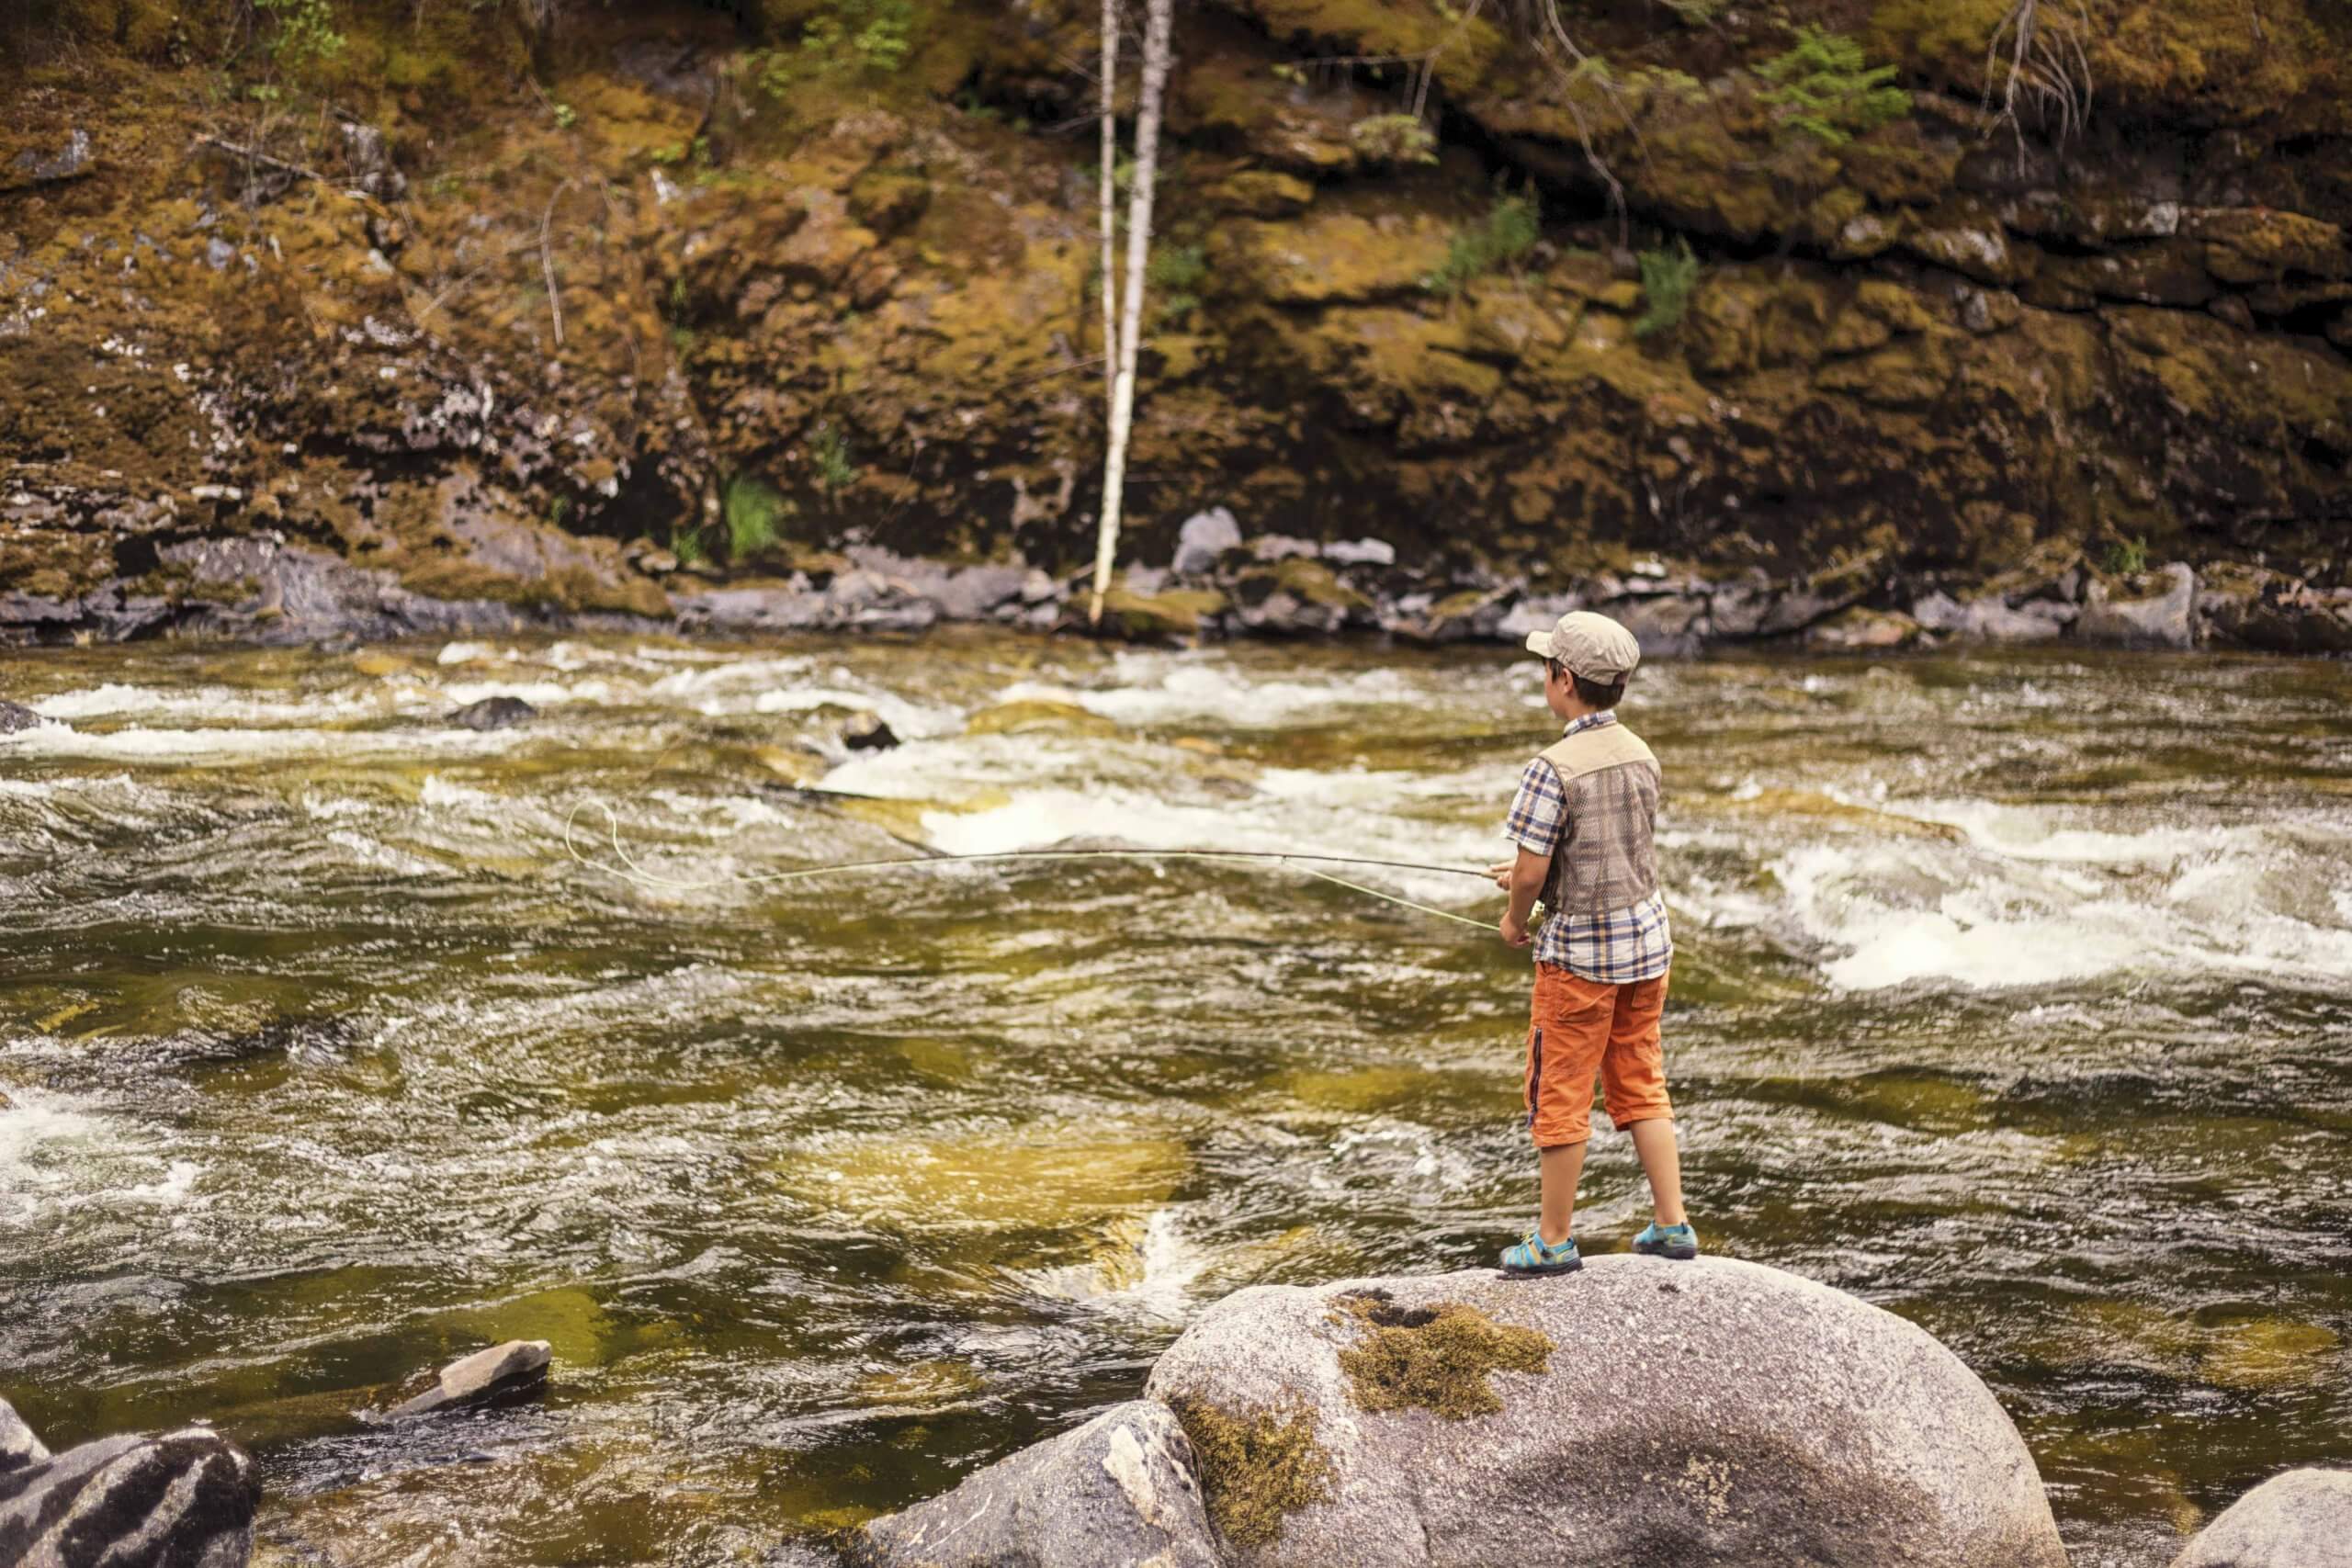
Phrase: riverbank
(1218, 586)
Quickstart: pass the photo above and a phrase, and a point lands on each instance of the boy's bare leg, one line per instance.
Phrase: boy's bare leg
(1559, 1168)
(1661, 1162)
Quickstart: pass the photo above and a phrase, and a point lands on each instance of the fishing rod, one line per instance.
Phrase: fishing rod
(630, 870)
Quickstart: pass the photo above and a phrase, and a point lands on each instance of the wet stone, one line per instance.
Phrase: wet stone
(868, 732)
(493, 713)
(2300, 1520)
(181, 1499)
(515, 1370)
(16, 716)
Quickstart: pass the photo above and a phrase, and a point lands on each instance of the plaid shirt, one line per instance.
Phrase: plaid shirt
(1615, 949)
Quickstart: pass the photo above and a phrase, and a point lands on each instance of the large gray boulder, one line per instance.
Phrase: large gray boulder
(1117, 1490)
(183, 1499)
(2167, 619)
(2301, 1518)
(1639, 1413)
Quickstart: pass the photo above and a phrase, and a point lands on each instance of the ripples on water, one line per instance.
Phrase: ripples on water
(2013, 994)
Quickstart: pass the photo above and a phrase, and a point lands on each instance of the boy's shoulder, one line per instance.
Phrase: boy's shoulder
(1589, 750)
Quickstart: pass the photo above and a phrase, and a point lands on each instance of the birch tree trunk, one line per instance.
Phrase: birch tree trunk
(1158, 22)
(1105, 283)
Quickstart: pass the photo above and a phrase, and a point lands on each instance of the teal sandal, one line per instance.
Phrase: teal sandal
(1678, 1241)
(1532, 1257)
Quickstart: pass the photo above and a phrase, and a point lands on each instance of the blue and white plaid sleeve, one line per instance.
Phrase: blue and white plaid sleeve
(1538, 810)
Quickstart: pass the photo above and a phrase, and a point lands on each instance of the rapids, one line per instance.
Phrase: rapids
(2013, 994)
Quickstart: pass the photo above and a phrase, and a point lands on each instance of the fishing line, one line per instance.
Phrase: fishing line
(628, 870)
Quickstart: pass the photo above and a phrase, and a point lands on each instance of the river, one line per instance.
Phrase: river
(2013, 994)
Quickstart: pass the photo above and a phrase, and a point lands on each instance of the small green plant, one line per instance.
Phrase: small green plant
(566, 117)
(1667, 278)
(1508, 232)
(678, 297)
(877, 35)
(829, 448)
(1697, 13)
(752, 509)
(687, 546)
(305, 32)
(558, 509)
(1394, 138)
(1174, 273)
(1827, 93)
(2127, 557)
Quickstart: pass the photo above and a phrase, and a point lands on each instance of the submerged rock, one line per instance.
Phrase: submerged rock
(2301, 1518)
(14, 717)
(1713, 1412)
(868, 732)
(183, 1499)
(512, 1370)
(493, 713)
(1118, 1490)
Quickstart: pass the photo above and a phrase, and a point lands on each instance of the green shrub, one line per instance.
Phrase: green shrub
(1508, 232)
(1826, 91)
(2127, 557)
(1174, 273)
(752, 509)
(829, 449)
(305, 32)
(687, 546)
(1668, 278)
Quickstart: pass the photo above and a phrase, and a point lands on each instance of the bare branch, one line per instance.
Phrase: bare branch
(2049, 73)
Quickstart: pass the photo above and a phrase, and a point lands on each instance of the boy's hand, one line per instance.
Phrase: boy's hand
(1500, 872)
(1515, 930)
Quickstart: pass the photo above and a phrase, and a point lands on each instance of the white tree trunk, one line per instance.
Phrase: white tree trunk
(1110, 203)
(1158, 22)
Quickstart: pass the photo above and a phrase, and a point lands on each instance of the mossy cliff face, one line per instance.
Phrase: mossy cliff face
(480, 300)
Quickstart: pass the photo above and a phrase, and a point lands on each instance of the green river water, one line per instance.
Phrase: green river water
(2013, 994)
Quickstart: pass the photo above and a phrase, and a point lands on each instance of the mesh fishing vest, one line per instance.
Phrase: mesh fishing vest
(1604, 860)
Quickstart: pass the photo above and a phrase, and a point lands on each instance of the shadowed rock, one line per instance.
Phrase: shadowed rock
(2165, 620)
(1712, 1412)
(183, 1499)
(493, 713)
(2298, 1519)
(1117, 1490)
(515, 1370)
(14, 717)
(868, 732)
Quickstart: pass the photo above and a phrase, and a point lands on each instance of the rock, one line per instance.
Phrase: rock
(1204, 536)
(1865, 631)
(492, 713)
(1117, 1490)
(868, 732)
(972, 593)
(515, 1370)
(1938, 612)
(14, 717)
(183, 1499)
(2301, 1518)
(1177, 614)
(1284, 546)
(2036, 620)
(2165, 620)
(69, 162)
(2262, 609)
(1714, 1411)
(1667, 626)
(1471, 614)
(18, 1447)
(1362, 552)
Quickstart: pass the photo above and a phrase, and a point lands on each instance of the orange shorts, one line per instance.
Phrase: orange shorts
(1578, 1027)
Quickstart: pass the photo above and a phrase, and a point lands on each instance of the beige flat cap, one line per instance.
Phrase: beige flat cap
(1592, 646)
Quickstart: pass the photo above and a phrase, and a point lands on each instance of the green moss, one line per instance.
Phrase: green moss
(1435, 1358)
(1255, 1470)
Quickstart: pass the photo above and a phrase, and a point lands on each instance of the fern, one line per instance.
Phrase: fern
(1827, 92)
(752, 509)
(1667, 278)
(1510, 231)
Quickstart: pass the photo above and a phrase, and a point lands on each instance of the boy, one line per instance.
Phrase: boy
(1583, 820)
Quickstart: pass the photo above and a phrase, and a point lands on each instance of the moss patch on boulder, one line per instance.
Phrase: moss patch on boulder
(1435, 1358)
(1255, 1470)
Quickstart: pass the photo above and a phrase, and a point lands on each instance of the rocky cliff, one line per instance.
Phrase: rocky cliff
(561, 309)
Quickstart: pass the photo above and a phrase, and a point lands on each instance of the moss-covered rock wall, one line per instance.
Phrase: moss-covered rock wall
(536, 304)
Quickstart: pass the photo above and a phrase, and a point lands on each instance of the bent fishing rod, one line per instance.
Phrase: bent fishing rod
(628, 870)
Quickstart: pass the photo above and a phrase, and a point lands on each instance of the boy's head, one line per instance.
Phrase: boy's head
(1586, 660)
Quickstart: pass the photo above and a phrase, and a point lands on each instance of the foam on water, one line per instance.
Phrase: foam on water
(1160, 688)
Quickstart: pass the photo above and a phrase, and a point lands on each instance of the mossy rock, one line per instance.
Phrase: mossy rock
(1179, 613)
(888, 202)
(1261, 192)
(1316, 583)
(1437, 1358)
(1255, 1469)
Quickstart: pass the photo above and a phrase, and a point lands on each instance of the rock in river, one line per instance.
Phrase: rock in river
(512, 1370)
(2298, 1519)
(1117, 1490)
(14, 717)
(1640, 1412)
(868, 732)
(492, 713)
(184, 1499)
